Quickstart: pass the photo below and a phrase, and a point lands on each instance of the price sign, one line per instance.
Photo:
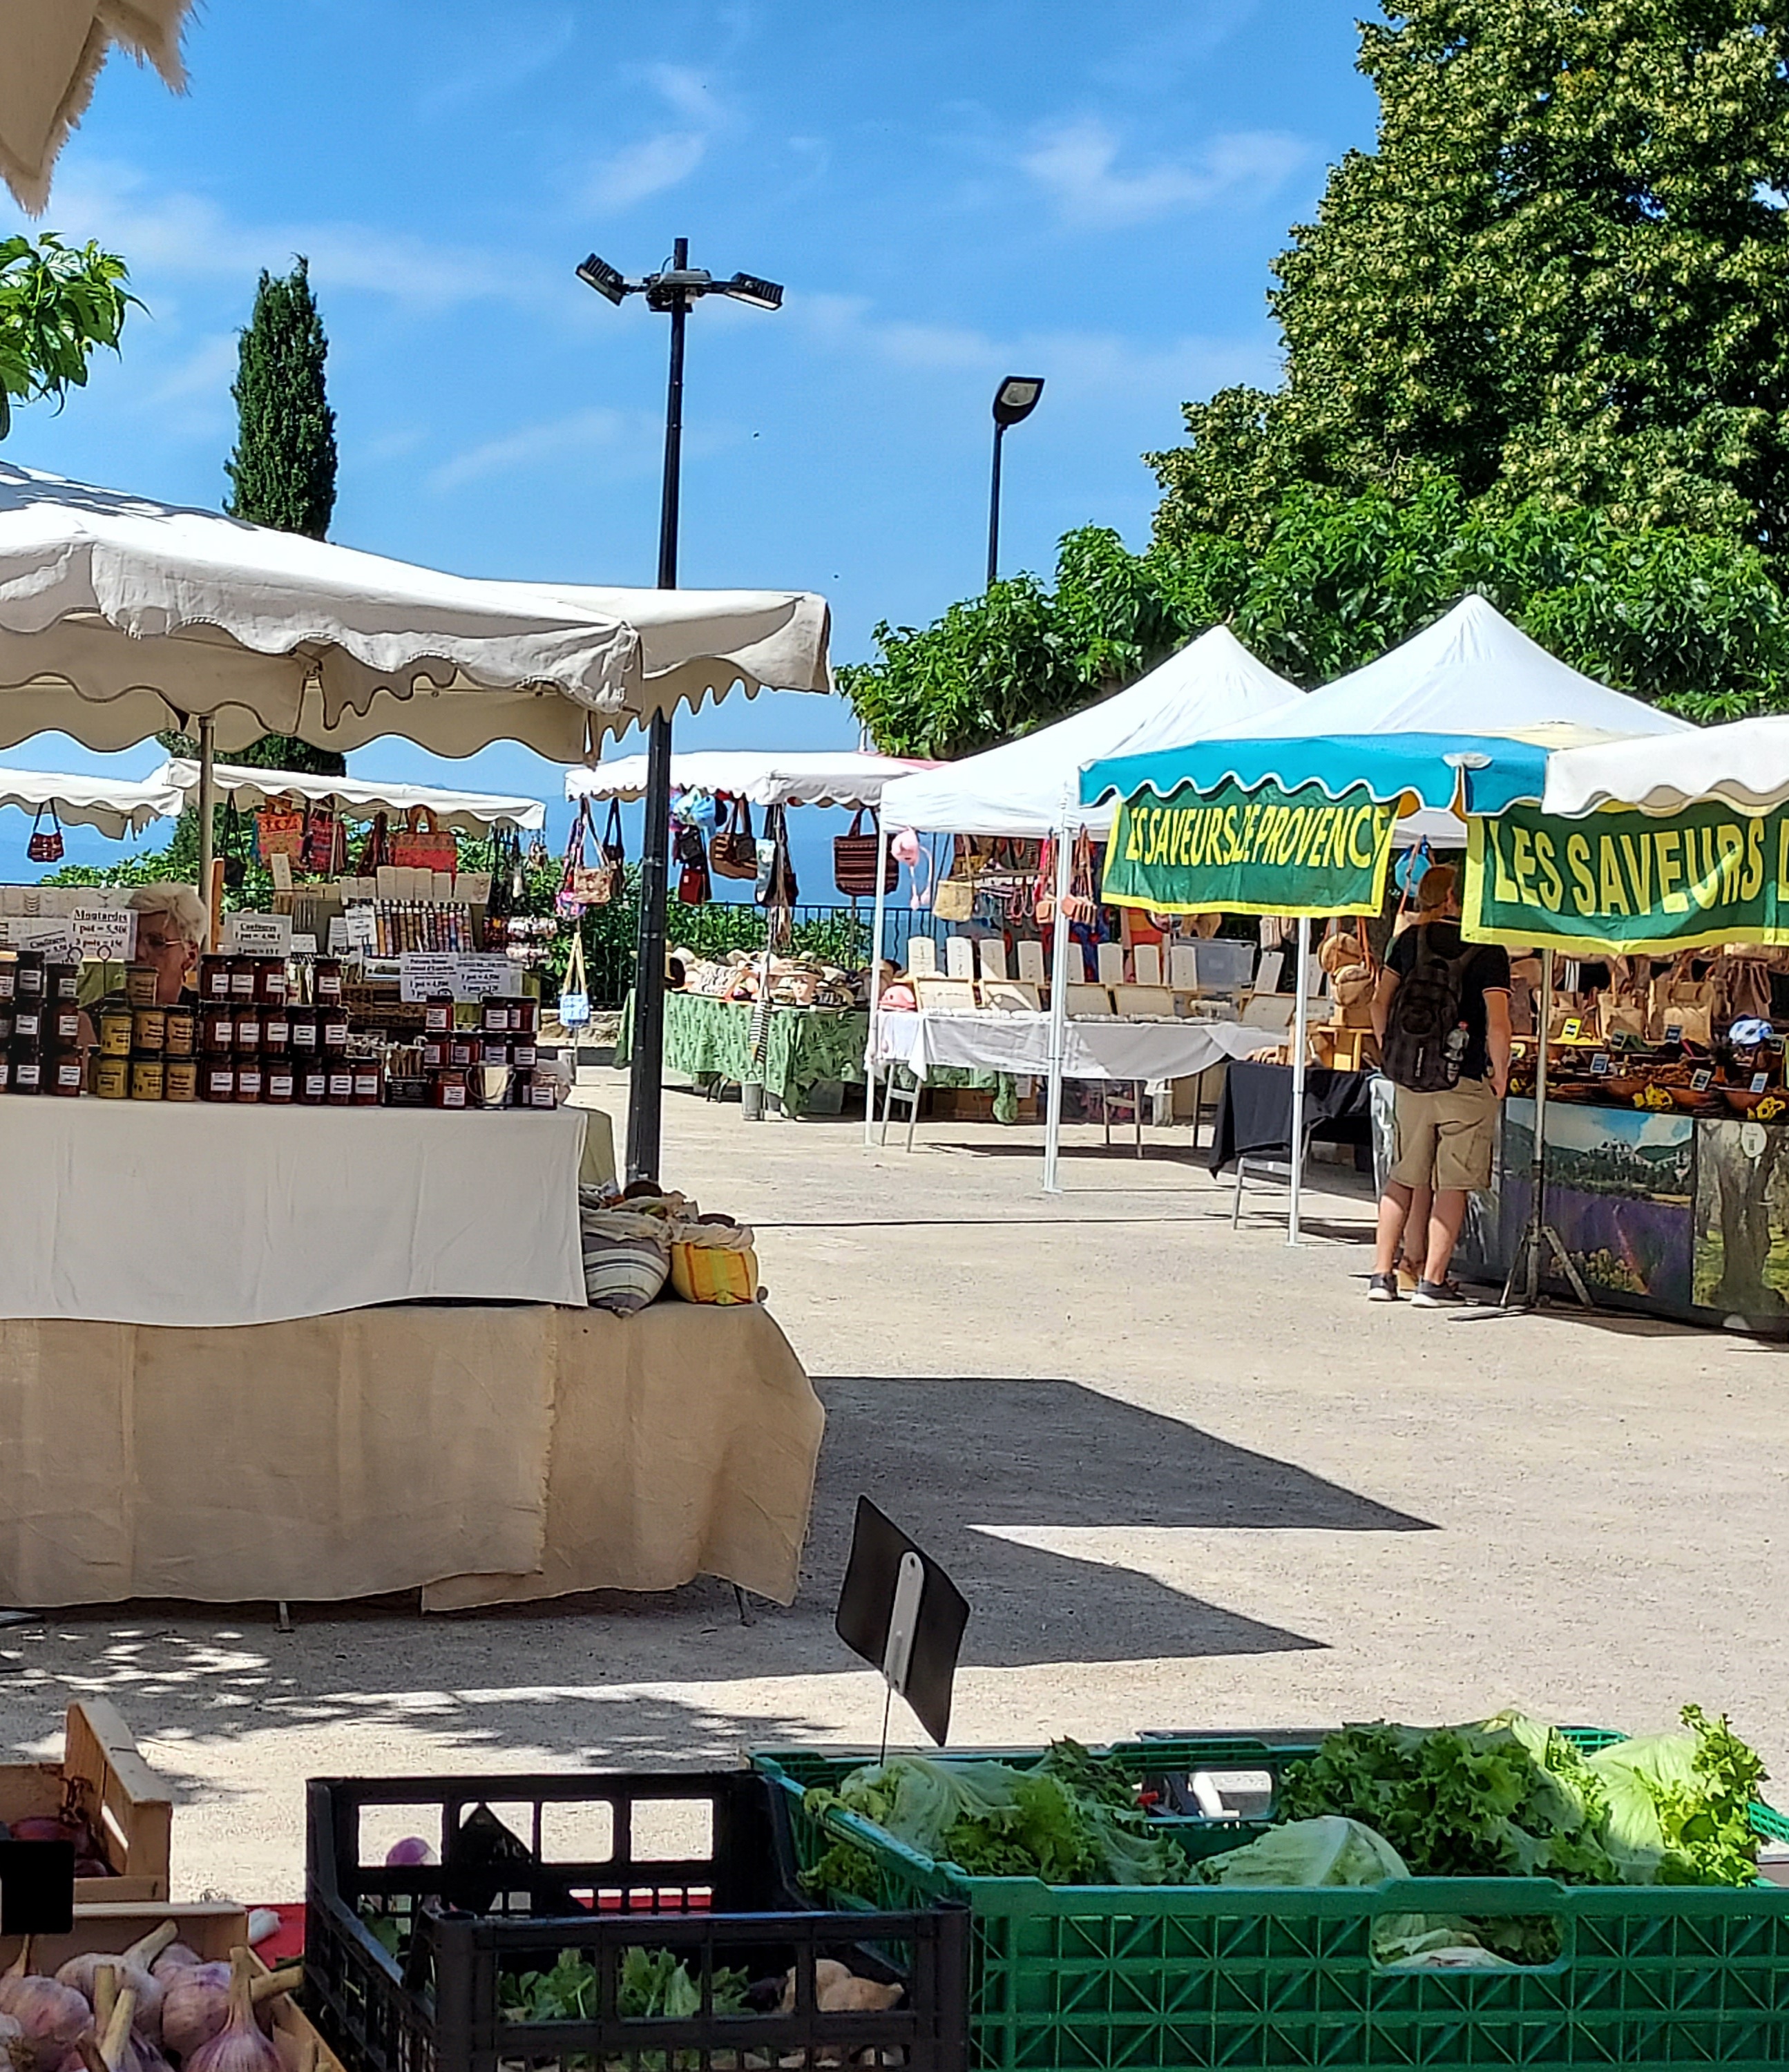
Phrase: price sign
(424, 973)
(360, 929)
(1600, 1064)
(1700, 1081)
(339, 943)
(1760, 1081)
(36, 932)
(258, 935)
(106, 932)
(1674, 1032)
(303, 945)
(480, 975)
(1572, 1030)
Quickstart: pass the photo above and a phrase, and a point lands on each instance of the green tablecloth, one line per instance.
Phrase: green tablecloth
(712, 1039)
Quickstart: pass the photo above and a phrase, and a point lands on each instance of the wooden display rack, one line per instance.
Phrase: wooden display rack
(103, 1779)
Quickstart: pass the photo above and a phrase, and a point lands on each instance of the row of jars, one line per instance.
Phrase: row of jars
(263, 981)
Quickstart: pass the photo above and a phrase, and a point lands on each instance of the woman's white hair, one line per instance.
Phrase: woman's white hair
(181, 904)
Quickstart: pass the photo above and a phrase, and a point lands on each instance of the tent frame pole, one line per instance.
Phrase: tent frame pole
(208, 815)
(1539, 1237)
(1059, 1012)
(873, 1037)
(1301, 1044)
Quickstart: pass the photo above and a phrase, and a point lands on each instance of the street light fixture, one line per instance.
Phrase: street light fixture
(672, 290)
(1014, 400)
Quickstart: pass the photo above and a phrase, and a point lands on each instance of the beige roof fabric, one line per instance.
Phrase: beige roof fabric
(114, 805)
(357, 798)
(837, 777)
(120, 618)
(50, 53)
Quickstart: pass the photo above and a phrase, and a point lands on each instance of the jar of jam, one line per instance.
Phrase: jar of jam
(524, 1013)
(63, 1075)
(326, 985)
(217, 1028)
(523, 1053)
(9, 980)
(62, 1024)
(242, 980)
(368, 1082)
(247, 1028)
(449, 1089)
(27, 1020)
(434, 1053)
(61, 982)
(180, 1079)
(5, 1023)
(213, 980)
(28, 1069)
(112, 1077)
(332, 1032)
(217, 1077)
(438, 1014)
(148, 1032)
(542, 1091)
(182, 1027)
(270, 981)
(495, 1017)
(341, 1082)
(115, 1027)
(275, 1029)
(279, 1082)
(28, 974)
(494, 1051)
(303, 1037)
(462, 1053)
(248, 1079)
(146, 1079)
(313, 1084)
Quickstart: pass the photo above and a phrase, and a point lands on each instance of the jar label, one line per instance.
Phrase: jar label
(222, 1081)
(68, 1072)
(452, 1096)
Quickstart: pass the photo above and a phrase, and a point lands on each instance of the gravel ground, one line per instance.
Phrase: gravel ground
(1185, 1476)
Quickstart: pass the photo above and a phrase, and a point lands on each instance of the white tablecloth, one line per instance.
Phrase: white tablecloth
(1020, 1044)
(145, 1212)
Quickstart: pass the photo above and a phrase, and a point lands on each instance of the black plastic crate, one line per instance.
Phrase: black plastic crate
(529, 1867)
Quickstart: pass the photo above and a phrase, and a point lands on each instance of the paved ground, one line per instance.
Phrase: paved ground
(1185, 1476)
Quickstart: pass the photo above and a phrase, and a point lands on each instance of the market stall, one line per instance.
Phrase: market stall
(137, 1234)
(800, 1055)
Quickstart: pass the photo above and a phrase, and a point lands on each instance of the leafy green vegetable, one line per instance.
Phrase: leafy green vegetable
(1679, 1807)
(653, 1984)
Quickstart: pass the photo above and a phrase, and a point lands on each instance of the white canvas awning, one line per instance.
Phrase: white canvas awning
(841, 777)
(1020, 788)
(120, 618)
(1746, 764)
(50, 53)
(356, 798)
(112, 805)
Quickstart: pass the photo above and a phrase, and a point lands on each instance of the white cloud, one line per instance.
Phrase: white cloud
(1076, 164)
(580, 431)
(645, 168)
(206, 372)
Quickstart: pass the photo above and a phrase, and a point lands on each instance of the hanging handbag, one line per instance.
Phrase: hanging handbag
(688, 846)
(426, 845)
(574, 998)
(1081, 905)
(693, 887)
(1682, 1003)
(583, 884)
(236, 866)
(614, 849)
(44, 848)
(376, 850)
(776, 881)
(279, 831)
(854, 860)
(732, 850)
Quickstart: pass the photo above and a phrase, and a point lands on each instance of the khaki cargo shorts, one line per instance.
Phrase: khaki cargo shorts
(1445, 1140)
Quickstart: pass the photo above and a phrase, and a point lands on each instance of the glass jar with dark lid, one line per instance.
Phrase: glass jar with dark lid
(9, 979)
(64, 1074)
(148, 1031)
(312, 1083)
(217, 1077)
(493, 1049)
(494, 1016)
(247, 1028)
(214, 978)
(182, 1028)
(61, 982)
(180, 1079)
(217, 1027)
(276, 1028)
(5, 1071)
(242, 978)
(341, 1082)
(147, 1078)
(325, 984)
(270, 981)
(449, 1089)
(27, 1020)
(525, 1015)
(279, 1085)
(462, 1052)
(112, 1077)
(27, 1068)
(368, 1082)
(5, 1023)
(524, 1053)
(28, 974)
(438, 1014)
(303, 1031)
(332, 1031)
(62, 1024)
(248, 1077)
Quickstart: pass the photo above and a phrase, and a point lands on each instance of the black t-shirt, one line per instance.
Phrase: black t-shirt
(1488, 971)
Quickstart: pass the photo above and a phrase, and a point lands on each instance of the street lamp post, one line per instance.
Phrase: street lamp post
(1014, 400)
(672, 291)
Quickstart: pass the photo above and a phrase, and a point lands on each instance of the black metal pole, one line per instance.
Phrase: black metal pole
(994, 510)
(646, 1088)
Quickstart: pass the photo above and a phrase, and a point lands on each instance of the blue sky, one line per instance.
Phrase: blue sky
(951, 192)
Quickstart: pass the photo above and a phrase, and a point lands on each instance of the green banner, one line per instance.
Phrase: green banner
(1265, 851)
(1626, 880)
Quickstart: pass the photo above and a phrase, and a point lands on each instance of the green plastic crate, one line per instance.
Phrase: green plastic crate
(1085, 1979)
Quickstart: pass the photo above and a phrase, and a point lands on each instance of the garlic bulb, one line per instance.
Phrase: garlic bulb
(176, 1959)
(50, 2018)
(14, 2053)
(195, 2007)
(79, 1972)
(239, 2045)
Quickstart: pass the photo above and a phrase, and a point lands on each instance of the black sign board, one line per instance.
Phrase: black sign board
(901, 1612)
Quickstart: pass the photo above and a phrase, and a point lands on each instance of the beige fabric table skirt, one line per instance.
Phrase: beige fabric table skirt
(482, 1455)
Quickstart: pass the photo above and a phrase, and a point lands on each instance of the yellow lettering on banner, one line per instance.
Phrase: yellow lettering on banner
(1285, 838)
(1503, 886)
(1731, 843)
(1337, 857)
(1614, 900)
(1584, 885)
(1317, 848)
(1265, 827)
(1364, 816)
(1783, 857)
(1522, 863)
(1302, 819)
(1133, 853)
(1552, 888)
(1232, 848)
(1639, 860)
(1668, 841)
(1183, 835)
(1752, 883)
(1705, 886)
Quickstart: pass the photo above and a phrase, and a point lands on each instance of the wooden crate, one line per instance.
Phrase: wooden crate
(103, 1779)
(212, 1928)
(962, 1104)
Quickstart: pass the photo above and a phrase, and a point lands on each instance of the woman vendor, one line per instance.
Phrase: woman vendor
(173, 924)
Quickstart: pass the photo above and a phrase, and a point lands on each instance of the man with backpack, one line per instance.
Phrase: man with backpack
(1442, 1014)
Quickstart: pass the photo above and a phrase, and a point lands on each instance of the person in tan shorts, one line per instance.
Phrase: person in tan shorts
(1446, 1139)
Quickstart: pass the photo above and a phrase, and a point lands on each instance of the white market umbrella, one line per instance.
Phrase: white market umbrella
(121, 617)
(114, 805)
(51, 55)
(1746, 763)
(359, 799)
(843, 777)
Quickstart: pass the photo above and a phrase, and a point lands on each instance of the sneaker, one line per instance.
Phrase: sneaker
(1436, 1295)
(1381, 1287)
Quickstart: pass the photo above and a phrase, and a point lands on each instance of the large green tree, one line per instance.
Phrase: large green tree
(1562, 273)
(59, 305)
(282, 471)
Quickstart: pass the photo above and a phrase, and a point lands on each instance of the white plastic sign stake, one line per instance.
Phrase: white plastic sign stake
(903, 1622)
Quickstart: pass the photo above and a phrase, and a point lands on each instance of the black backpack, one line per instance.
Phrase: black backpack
(1425, 1035)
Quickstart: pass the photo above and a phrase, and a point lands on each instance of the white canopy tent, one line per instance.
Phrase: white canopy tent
(114, 805)
(1746, 764)
(474, 813)
(841, 777)
(1019, 789)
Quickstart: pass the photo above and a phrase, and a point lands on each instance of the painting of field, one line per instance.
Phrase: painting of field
(1620, 1187)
